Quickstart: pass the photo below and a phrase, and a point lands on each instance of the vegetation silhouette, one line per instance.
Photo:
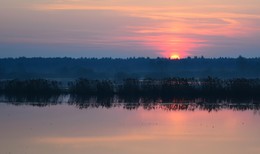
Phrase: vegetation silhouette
(134, 88)
(190, 87)
(30, 87)
(91, 87)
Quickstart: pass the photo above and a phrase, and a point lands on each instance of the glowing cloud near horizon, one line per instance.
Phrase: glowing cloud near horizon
(175, 56)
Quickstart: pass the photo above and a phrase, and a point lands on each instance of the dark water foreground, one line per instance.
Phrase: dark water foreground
(97, 125)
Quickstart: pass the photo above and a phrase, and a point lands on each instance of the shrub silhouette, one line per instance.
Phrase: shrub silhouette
(150, 88)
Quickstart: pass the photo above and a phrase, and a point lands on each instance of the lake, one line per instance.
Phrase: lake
(97, 126)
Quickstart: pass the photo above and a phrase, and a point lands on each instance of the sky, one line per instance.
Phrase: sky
(129, 28)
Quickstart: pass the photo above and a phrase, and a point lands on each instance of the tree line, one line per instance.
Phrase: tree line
(120, 69)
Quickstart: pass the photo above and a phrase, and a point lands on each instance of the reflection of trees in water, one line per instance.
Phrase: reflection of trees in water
(84, 102)
(33, 100)
(134, 103)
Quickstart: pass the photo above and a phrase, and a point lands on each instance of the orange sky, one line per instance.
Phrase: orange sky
(133, 27)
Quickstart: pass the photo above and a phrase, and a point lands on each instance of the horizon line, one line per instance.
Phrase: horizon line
(130, 57)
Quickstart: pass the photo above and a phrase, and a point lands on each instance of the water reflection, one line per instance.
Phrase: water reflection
(97, 125)
(174, 104)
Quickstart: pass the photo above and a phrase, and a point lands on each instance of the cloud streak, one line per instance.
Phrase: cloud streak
(165, 28)
(174, 26)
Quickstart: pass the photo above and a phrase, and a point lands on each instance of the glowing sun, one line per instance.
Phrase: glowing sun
(175, 57)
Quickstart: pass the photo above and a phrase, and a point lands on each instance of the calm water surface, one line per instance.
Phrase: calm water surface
(64, 128)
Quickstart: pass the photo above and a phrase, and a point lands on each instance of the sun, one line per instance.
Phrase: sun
(175, 57)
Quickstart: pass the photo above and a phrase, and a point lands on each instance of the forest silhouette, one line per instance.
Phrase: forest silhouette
(65, 69)
(131, 78)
